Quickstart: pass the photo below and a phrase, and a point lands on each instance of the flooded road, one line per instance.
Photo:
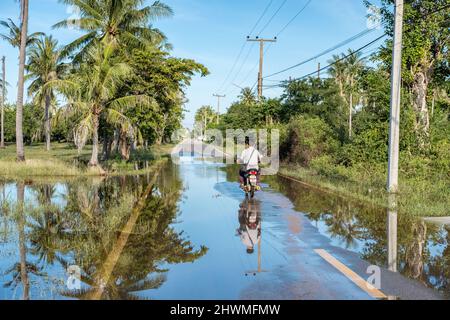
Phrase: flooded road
(189, 233)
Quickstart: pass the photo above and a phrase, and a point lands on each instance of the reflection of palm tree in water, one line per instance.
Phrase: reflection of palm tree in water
(21, 270)
(414, 251)
(250, 224)
(134, 246)
(46, 225)
(344, 225)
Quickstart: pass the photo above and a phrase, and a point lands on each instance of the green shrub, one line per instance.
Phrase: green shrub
(307, 138)
(441, 161)
(369, 145)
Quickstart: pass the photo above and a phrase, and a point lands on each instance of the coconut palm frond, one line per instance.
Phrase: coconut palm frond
(125, 103)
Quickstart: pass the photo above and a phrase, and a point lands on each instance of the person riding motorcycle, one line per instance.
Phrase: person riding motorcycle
(250, 159)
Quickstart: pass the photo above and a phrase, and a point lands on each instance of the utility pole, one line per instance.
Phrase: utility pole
(2, 116)
(318, 71)
(261, 61)
(394, 131)
(218, 96)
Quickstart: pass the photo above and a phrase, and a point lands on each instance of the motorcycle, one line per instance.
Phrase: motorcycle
(251, 184)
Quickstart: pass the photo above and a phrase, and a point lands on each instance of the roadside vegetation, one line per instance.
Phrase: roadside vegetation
(64, 160)
(334, 129)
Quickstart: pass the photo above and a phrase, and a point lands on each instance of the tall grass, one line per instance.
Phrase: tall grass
(417, 196)
(65, 161)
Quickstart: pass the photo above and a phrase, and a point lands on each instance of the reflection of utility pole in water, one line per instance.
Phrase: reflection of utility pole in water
(392, 233)
(259, 270)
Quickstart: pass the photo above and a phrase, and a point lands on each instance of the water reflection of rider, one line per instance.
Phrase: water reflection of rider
(250, 224)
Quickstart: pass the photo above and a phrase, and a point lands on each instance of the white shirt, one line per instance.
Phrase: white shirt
(251, 158)
(250, 238)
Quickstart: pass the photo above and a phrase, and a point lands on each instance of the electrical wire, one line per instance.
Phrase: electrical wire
(331, 49)
(273, 17)
(335, 62)
(241, 51)
(295, 17)
(278, 34)
(344, 43)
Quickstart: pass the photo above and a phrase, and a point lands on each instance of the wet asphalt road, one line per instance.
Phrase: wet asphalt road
(284, 264)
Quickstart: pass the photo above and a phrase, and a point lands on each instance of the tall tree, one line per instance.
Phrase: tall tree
(3, 100)
(123, 22)
(345, 70)
(247, 97)
(21, 82)
(426, 39)
(45, 68)
(337, 71)
(98, 83)
(353, 66)
(206, 116)
(163, 78)
(13, 37)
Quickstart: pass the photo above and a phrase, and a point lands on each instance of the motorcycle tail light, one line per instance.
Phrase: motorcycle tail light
(253, 173)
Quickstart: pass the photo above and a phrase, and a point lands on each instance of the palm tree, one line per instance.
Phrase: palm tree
(205, 115)
(45, 68)
(247, 96)
(14, 38)
(345, 70)
(2, 112)
(14, 34)
(122, 22)
(99, 82)
(337, 72)
(21, 82)
(353, 66)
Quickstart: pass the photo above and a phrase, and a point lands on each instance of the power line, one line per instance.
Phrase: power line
(241, 51)
(295, 17)
(273, 16)
(234, 66)
(261, 17)
(254, 68)
(264, 28)
(242, 66)
(339, 60)
(278, 34)
(345, 57)
(331, 49)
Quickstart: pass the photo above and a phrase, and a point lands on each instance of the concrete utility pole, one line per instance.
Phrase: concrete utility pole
(318, 71)
(394, 131)
(2, 116)
(218, 96)
(261, 61)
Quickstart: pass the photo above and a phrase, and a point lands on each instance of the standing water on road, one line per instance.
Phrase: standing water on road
(189, 233)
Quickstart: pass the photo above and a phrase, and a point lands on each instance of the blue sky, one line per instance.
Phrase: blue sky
(213, 32)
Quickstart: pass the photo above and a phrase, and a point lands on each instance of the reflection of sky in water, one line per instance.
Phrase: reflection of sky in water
(53, 277)
(60, 190)
(226, 261)
(437, 249)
